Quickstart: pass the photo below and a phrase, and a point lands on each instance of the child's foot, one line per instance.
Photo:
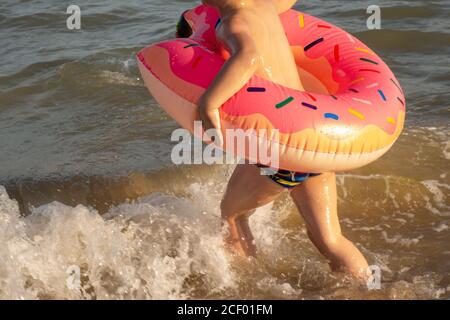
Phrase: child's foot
(238, 241)
(235, 247)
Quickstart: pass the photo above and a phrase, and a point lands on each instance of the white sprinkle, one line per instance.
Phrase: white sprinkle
(373, 85)
(363, 101)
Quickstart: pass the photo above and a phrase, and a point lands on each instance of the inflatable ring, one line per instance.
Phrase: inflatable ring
(351, 113)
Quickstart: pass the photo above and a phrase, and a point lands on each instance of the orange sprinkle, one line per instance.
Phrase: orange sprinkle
(357, 80)
(365, 50)
(391, 120)
(301, 20)
(356, 113)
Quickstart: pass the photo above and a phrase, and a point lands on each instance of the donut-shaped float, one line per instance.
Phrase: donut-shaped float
(351, 113)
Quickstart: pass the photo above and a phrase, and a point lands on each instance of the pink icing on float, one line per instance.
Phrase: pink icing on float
(352, 112)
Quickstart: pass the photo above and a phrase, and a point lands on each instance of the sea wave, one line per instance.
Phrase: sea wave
(406, 41)
(397, 12)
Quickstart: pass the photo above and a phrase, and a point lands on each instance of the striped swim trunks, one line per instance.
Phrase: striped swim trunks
(286, 179)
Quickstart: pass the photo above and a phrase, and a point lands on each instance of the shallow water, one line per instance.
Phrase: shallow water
(89, 184)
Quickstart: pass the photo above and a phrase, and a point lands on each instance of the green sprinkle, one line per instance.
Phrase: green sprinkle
(285, 102)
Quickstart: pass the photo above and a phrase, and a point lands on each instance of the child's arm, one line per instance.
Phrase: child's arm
(235, 73)
(284, 5)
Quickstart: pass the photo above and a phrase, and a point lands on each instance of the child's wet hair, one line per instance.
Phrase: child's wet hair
(184, 30)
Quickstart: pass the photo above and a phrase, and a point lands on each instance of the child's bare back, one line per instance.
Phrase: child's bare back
(260, 18)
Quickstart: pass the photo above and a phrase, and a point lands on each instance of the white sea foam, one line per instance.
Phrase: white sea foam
(440, 227)
(150, 249)
(167, 247)
(118, 78)
(399, 239)
(439, 192)
(159, 247)
(446, 150)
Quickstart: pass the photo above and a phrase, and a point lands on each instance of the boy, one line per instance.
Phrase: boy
(251, 30)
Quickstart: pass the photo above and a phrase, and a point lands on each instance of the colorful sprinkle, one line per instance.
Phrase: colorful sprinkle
(391, 120)
(301, 21)
(373, 85)
(311, 96)
(284, 102)
(353, 90)
(334, 97)
(196, 61)
(217, 23)
(368, 60)
(356, 114)
(382, 94)
(323, 26)
(369, 70)
(331, 116)
(309, 105)
(256, 89)
(191, 45)
(363, 101)
(357, 80)
(314, 43)
(401, 101)
(398, 87)
(336, 53)
(365, 50)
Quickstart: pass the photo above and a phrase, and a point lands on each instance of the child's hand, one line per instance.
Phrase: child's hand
(211, 123)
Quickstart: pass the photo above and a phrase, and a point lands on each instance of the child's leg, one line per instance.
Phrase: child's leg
(317, 201)
(247, 190)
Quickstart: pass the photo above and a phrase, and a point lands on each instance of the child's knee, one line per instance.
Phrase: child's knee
(224, 209)
(227, 209)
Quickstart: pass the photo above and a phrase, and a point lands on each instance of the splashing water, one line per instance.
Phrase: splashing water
(164, 246)
(156, 248)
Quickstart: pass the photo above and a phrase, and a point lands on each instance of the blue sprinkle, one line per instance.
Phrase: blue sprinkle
(217, 23)
(382, 95)
(331, 116)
